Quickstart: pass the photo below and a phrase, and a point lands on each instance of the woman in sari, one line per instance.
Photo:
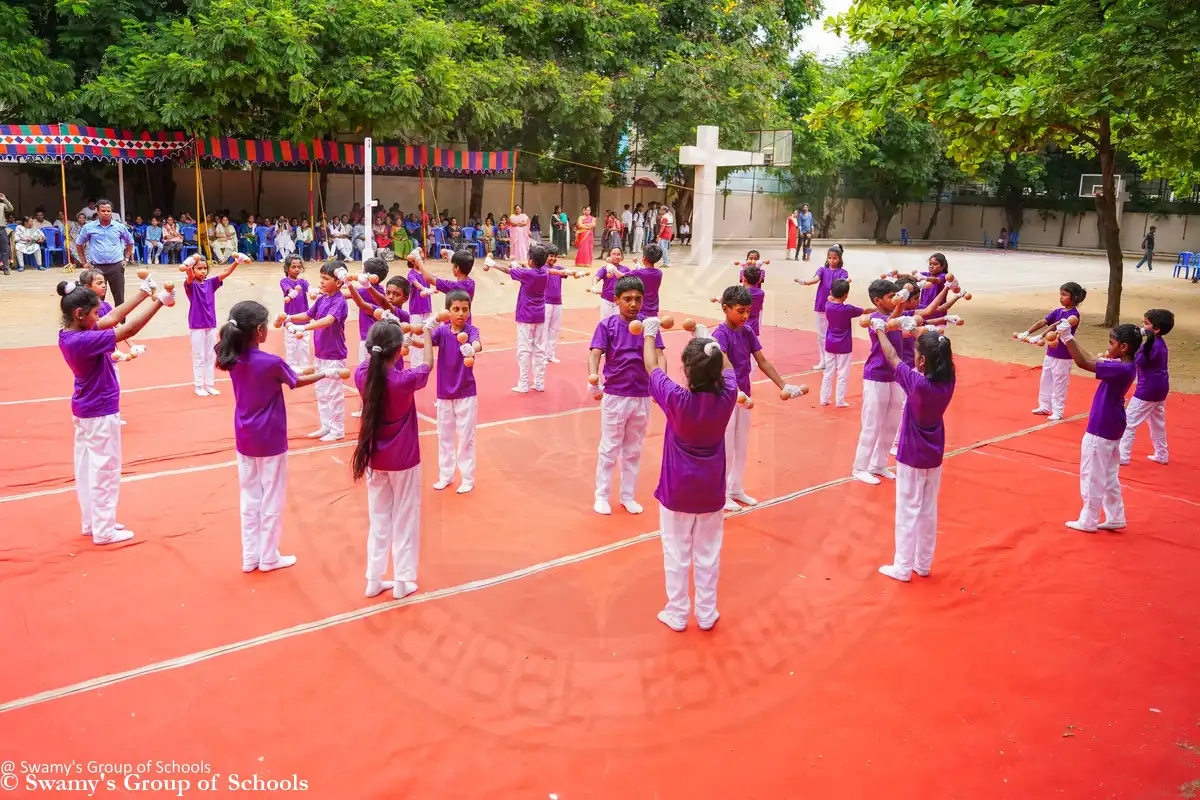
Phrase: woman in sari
(518, 235)
(558, 230)
(793, 236)
(487, 234)
(585, 238)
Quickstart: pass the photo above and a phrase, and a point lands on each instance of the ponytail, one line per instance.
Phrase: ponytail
(383, 342)
(702, 366)
(939, 360)
(240, 332)
(75, 297)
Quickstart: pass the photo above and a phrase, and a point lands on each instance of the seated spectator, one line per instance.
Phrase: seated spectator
(304, 239)
(454, 236)
(29, 240)
(172, 239)
(73, 231)
(154, 242)
(685, 233)
(320, 242)
(224, 241)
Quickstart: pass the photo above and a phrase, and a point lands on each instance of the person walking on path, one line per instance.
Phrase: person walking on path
(1148, 248)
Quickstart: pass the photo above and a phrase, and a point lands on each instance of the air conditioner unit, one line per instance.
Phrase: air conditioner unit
(768, 157)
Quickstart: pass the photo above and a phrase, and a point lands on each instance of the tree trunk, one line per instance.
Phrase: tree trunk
(323, 184)
(595, 183)
(476, 206)
(1062, 231)
(883, 218)
(685, 201)
(937, 209)
(1106, 207)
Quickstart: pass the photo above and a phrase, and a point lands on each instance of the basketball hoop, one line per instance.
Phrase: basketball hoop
(1092, 185)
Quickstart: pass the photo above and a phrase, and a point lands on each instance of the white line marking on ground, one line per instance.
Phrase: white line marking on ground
(449, 591)
(188, 385)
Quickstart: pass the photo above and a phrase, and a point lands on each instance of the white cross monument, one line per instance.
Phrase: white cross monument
(706, 157)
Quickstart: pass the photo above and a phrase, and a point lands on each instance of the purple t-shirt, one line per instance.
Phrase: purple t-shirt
(1152, 381)
(740, 345)
(692, 478)
(1107, 418)
(97, 393)
(553, 289)
(839, 338)
(365, 320)
(531, 299)
(329, 344)
(877, 367)
(466, 285)
(757, 296)
(105, 308)
(908, 345)
(932, 290)
(202, 313)
(652, 280)
(827, 276)
(259, 413)
(1059, 350)
(624, 362)
(922, 433)
(610, 275)
(761, 269)
(299, 303)
(454, 379)
(416, 303)
(396, 444)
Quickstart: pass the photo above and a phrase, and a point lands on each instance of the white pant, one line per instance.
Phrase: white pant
(204, 357)
(457, 416)
(223, 250)
(283, 249)
(416, 355)
(553, 329)
(1052, 391)
(737, 445)
(837, 365)
(691, 541)
(881, 406)
(297, 352)
(263, 482)
(331, 398)
(340, 249)
(531, 351)
(623, 423)
(154, 252)
(1099, 485)
(916, 518)
(1139, 411)
(394, 504)
(98, 474)
(822, 329)
(903, 405)
(607, 309)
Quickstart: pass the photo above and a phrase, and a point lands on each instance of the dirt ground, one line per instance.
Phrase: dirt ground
(1009, 291)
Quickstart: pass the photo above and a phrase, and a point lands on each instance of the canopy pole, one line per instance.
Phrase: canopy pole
(69, 267)
(121, 189)
(368, 209)
(424, 214)
(512, 192)
(310, 194)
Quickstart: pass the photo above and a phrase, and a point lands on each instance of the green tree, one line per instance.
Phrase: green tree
(1002, 75)
(34, 87)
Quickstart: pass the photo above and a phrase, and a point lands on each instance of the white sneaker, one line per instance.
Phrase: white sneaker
(679, 626)
(463, 488)
(884, 473)
(865, 477)
(1043, 412)
(632, 506)
(403, 589)
(892, 571)
(283, 563)
(745, 499)
(440, 485)
(519, 390)
(924, 573)
(602, 507)
(1111, 526)
(843, 405)
(317, 434)
(553, 360)
(818, 367)
(376, 588)
(212, 392)
(707, 625)
(333, 437)
(731, 504)
(248, 568)
(1157, 460)
(201, 393)
(1079, 526)
(825, 403)
(540, 387)
(118, 536)
(1055, 417)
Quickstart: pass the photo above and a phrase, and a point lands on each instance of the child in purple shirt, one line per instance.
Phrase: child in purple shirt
(625, 407)
(87, 342)
(928, 386)
(260, 431)
(1099, 462)
(754, 259)
(1056, 366)
(531, 319)
(839, 342)
(554, 301)
(935, 278)
(420, 305)
(691, 482)
(389, 456)
(882, 398)
(651, 277)
(461, 264)
(823, 278)
(295, 301)
(1150, 397)
(607, 277)
(327, 317)
(752, 278)
(201, 292)
(457, 343)
(740, 345)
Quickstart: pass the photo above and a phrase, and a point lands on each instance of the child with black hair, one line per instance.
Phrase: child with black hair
(607, 277)
(823, 278)
(389, 455)
(928, 386)
(94, 280)
(327, 317)
(691, 482)
(260, 430)
(420, 305)
(651, 276)
(839, 342)
(295, 301)
(554, 302)
(908, 302)
(367, 301)
(625, 407)
(1056, 366)
(87, 342)
(458, 343)
(882, 399)
(740, 345)
(934, 277)
(1149, 402)
(531, 319)
(461, 264)
(754, 259)
(201, 292)
(1099, 462)
(752, 278)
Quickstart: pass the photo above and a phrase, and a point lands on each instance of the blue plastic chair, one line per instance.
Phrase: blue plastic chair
(904, 236)
(54, 244)
(266, 241)
(439, 242)
(1181, 264)
(188, 232)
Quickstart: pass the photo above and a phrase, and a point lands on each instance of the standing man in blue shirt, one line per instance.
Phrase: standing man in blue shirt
(806, 231)
(106, 245)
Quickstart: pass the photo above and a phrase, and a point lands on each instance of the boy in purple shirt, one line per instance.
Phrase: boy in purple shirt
(201, 292)
(839, 342)
(1150, 397)
(295, 301)
(752, 278)
(531, 319)
(882, 398)
(651, 277)
(554, 303)
(691, 482)
(928, 386)
(1099, 462)
(420, 305)
(260, 431)
(327, 317)
(625, 407)
(366, 308)
(1056, 367)
(823, 278)
(389, 455)
(458, 343)
(740, 345)
(87, 342)
(461, 264)
(607, 277)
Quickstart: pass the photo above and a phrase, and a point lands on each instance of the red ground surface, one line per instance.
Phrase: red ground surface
(1035, 662)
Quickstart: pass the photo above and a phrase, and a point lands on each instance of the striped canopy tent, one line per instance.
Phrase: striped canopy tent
(61, 141)
(351, 156)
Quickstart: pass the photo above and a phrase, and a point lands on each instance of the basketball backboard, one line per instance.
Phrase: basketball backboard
(1092, 185)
